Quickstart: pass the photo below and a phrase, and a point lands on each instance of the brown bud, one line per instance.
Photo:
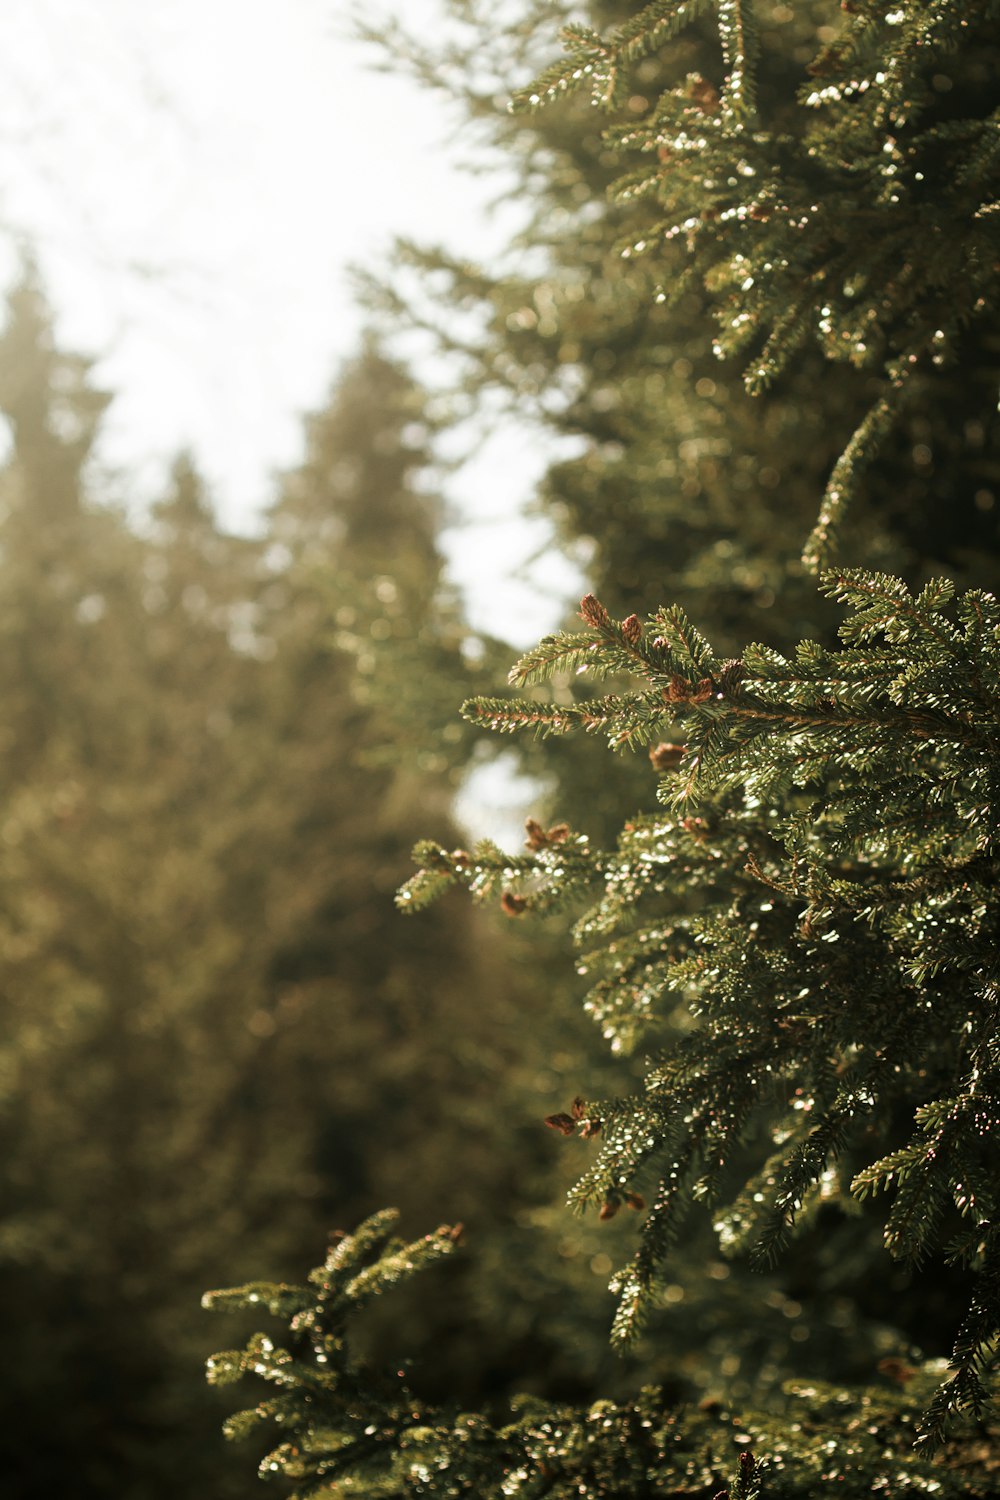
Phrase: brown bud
(702, 93)
(537, 837)
(760, 212)
(703, 691)
(747, 1464)
(593, 611)
(635, 1200)
(451, 1232)
(678, 690)
(513, 906)
(665, 756)
(609, 1209)
(664, 153)
(563, 1123)
(696, 827)
(587, 1126)
(460, 858)
(540, 838)
(632, 630)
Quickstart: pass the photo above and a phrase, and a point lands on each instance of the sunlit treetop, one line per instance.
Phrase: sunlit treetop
(852, 200)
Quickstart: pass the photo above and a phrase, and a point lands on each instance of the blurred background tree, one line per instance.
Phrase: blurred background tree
(220, 1040)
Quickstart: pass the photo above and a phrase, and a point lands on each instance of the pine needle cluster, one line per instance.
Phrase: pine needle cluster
(348, 1429)
(859, 211)
(819, 897)
(798, 947)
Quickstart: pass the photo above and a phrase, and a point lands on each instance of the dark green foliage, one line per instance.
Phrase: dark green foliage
(863, 216)
(346, 1428)
(787, 306)
(837, 815)
(685, 485)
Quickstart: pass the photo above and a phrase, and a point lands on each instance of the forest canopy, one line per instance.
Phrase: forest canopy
(744, 966)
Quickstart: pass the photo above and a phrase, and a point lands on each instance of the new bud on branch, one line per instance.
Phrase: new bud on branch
(790, 945)
(541, 838)
(594, 613)
(666, 756)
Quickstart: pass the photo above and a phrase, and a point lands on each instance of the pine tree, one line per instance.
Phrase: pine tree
(802, 938)
(690, 488)
(685, 481)
(128, 1069)
(686, 487)
(205, 810)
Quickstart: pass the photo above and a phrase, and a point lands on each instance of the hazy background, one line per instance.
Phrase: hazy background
(194, 181)
(221, 738)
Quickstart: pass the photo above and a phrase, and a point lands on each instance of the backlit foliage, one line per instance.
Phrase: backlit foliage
(796, 948)
(862, 216)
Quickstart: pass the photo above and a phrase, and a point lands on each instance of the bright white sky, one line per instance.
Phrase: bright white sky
(194, 178)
